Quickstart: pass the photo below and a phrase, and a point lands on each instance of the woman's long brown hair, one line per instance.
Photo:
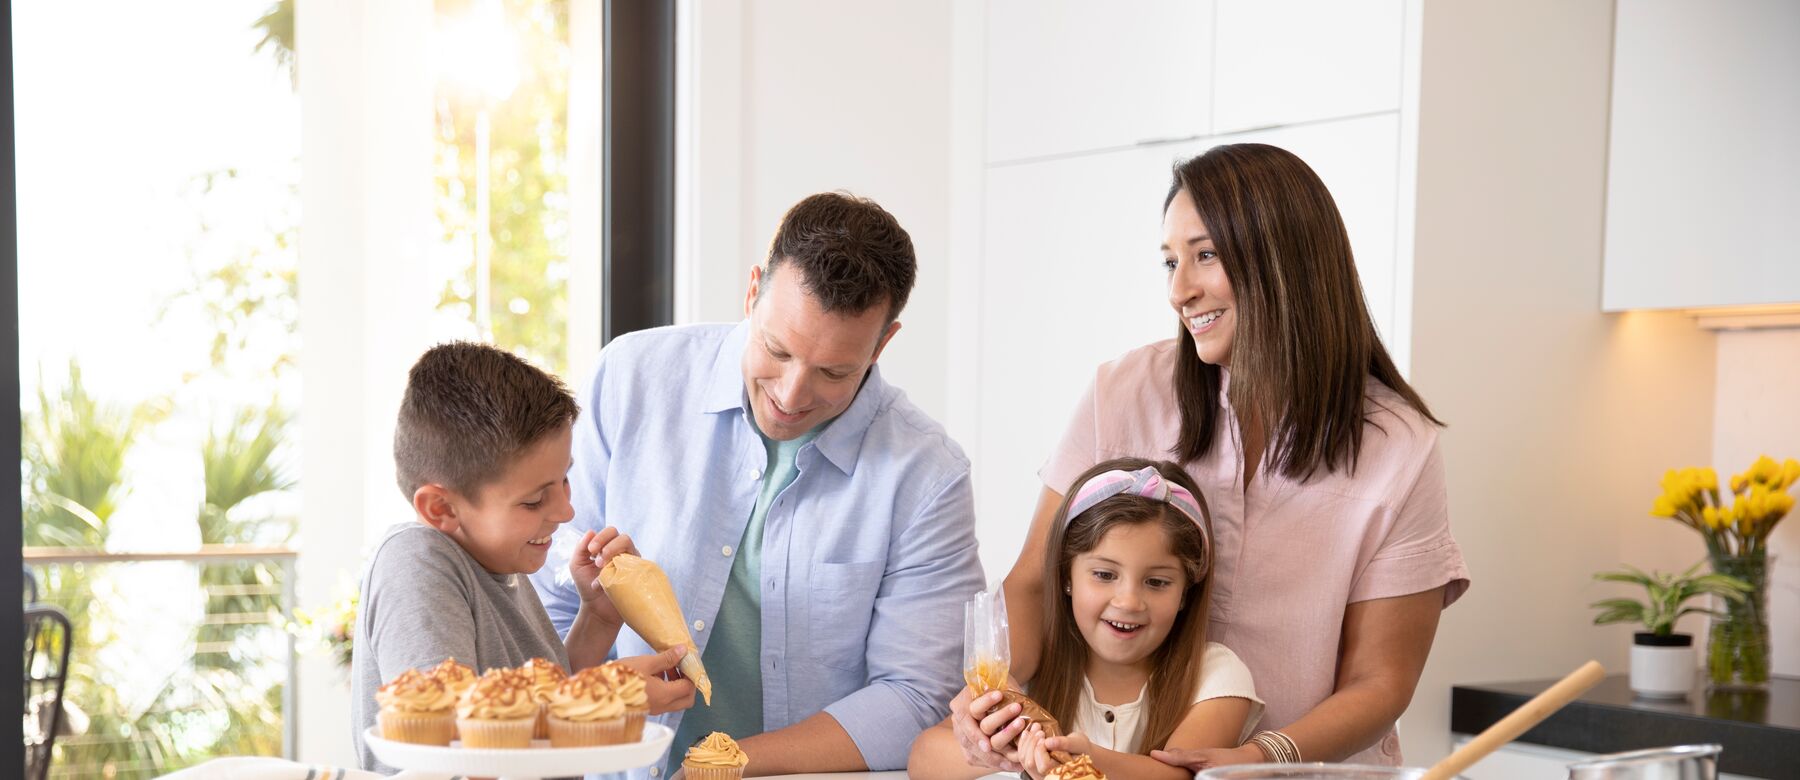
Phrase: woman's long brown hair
(1175, 665)
(1304, 343)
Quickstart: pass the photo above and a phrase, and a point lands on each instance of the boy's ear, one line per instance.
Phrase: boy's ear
(435, 507)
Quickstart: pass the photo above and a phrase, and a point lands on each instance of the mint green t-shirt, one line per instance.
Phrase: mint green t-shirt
(733, 653)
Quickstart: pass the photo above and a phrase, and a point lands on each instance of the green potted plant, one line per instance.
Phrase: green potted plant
(1662, 661)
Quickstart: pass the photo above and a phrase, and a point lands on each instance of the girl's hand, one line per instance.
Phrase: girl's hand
(986, 738)
(1207, 758)
(1034, 754)
(667, 690)
(590, 555)
(1074, 744)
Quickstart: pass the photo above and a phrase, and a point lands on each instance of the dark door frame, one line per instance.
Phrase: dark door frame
(638, 155)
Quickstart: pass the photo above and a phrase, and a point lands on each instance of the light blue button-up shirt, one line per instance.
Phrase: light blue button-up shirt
(866, 558)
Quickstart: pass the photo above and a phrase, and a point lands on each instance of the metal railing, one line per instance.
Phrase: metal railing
(246, 591)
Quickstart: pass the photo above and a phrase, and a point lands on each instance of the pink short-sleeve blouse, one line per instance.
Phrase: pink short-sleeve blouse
(1290, 556)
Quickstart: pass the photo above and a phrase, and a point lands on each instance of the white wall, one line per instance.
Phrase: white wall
(366, 192)
(1561, 419)
(1758, 384)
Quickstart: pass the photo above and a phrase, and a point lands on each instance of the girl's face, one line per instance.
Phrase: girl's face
(1198, 289)
(1126, 592)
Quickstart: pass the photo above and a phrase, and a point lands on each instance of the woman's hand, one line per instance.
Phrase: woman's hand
(986, 737)
(667, 690)
(589, 557)
(1207, 758)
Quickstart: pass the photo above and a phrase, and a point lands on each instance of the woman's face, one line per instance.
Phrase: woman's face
(1198, 289)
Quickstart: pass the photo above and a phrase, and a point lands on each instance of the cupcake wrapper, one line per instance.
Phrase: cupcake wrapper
(496, 733)
(695, 771)
(418, 728)
(574, 733)
(542, 729)
(634, 725)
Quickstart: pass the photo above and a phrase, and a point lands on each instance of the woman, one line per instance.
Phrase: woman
(1320, 462)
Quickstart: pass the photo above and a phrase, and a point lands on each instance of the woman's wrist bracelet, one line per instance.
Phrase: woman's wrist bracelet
(1277, 747)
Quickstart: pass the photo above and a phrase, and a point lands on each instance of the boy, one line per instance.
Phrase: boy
(481, 450)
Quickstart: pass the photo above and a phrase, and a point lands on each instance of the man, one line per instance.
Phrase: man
(818, 528)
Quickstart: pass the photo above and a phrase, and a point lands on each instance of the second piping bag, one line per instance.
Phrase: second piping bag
(641, 592)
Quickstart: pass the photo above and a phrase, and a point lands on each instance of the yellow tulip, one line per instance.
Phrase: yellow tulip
(1739, 482)
(1790, 473)
(1662, 507)
(1765, 470)
(1671, 482)
(1712, 518)
(1706, 479)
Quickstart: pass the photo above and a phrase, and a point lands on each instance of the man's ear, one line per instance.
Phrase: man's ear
(436, 508)
(756, 278)
(892, 329)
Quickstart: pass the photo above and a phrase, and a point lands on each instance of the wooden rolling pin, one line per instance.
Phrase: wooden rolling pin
(1518, 721)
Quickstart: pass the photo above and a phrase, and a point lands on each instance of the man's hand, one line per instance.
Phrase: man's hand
(1207, 758)
(667, 689)
(589, 557)
(986, 737)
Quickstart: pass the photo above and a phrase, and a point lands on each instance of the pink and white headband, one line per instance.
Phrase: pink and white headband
(1148, 483)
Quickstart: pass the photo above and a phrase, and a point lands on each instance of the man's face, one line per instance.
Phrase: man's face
(803, 365)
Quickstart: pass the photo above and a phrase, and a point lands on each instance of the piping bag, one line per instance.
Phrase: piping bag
(641, 592)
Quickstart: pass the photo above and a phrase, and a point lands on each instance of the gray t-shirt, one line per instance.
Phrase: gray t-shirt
(425, 599)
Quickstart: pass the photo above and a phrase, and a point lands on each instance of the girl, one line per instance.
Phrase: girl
(1125, 664)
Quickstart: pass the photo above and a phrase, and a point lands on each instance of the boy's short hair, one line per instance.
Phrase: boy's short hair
(470, 410)
(851, 254)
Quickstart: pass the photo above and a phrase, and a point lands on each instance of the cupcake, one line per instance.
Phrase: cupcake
(716, 758)
(458, 678)
(1082, 768)
(545, 676)
(630, 686)
(416, 708)
(498, 712)
(584, 711)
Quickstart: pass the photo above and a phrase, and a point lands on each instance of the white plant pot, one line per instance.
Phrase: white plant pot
(1663, 667)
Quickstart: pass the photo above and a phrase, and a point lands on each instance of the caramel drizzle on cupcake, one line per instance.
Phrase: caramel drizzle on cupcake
(1081, 768)
(415, 692)
(545, 675)
(457, 677)
(586, 698)
(629, 684)
(500, 694)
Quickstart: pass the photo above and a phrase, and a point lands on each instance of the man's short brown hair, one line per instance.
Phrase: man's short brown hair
(851, 254)
(470, 410)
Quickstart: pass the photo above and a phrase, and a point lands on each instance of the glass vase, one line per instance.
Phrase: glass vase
(1737, 655)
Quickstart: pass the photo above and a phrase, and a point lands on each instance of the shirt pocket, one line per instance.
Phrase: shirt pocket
(843, 605)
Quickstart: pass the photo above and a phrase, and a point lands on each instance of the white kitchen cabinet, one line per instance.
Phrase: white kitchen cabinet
(1066, 76)
(1278, 62)
(1703, 177)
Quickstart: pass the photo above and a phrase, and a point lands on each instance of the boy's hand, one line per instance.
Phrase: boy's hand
(590, 555)
(667, 689)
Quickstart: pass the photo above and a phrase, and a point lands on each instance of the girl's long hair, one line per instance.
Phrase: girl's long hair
(1175, 665)
(1304, 343)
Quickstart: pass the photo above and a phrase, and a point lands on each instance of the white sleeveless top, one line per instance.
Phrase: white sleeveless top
(1121, 726)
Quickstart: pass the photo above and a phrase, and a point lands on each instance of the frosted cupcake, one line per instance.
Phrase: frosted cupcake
(716, 758)
(416, 708)
(1082, 768)
(498, 712)
(457, 677)
(585, 712)
(545, 676)
(630, 686)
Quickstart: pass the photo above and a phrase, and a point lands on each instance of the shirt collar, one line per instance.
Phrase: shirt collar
(841, 441)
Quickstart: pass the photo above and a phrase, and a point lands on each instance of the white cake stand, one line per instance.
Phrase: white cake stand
(538, 761)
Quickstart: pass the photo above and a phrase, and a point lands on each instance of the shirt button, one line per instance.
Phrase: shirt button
(755, 473)
(1109, 716)
(699, 625)
(726, 551)
(656, 771)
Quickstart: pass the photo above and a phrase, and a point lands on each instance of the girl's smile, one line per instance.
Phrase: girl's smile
(1126, 592)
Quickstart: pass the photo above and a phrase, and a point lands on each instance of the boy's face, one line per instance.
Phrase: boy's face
(508, 525)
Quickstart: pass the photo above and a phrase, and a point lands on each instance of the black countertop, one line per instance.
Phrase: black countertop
(1759, 729)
